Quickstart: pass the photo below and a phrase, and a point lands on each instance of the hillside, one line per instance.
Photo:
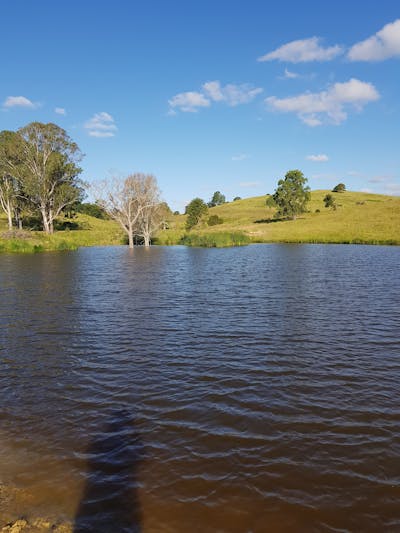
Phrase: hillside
(360, 218)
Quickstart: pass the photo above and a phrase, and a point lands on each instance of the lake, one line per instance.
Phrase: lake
(178, 389)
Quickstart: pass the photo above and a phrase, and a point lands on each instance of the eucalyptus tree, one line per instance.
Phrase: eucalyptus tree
(217, 199)
(152, 218)
(133, 202)
(49, 170)
(195, 211)
(292, 195)
(10, 188)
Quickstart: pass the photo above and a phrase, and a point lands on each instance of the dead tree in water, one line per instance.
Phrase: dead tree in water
(132, 202)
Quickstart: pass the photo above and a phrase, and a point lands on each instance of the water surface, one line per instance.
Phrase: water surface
(177, 389)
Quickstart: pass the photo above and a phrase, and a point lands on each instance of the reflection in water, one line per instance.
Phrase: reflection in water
(110, 501)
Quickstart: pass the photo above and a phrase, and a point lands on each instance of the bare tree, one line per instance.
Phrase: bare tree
(148, 223)
(133, 202)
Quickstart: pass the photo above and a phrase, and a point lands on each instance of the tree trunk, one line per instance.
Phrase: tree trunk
(146, 239)
(18, 218)
(9, 217)
(46, 223)
(130, 237)
(51, 221)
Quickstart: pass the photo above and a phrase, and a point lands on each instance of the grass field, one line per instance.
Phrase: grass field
(92, 232)
(360, 218)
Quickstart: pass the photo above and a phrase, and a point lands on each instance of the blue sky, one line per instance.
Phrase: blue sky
(221, 95)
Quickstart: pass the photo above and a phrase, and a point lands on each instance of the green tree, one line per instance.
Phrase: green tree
(291, 195)
(49, 171)
(340, 187)
(329, 201)
(10, 189)
(195, 211)
(237, 198)
(217, 199)
(269, 202)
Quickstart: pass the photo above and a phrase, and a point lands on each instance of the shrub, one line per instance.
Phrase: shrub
(214, 220)
(216, 240)
(329, 201)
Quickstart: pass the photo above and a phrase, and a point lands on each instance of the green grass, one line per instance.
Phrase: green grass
(216, 240)
(361, 218)
(95, 232)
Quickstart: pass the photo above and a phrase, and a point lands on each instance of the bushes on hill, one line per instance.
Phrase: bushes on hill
(340, 187)
(214, 220)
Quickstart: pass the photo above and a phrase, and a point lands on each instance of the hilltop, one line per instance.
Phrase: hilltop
(360, 218)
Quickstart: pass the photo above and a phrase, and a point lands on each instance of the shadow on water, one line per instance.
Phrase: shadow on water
(110, 500)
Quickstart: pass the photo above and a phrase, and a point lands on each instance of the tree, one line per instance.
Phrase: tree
(329, 201)
(217, 199)
(152, 218)
(269, 202)
(195, 211)
(291, 195)
(131, 201)
(49, 171)
(340, 187)
(10, 190)
(237, 198)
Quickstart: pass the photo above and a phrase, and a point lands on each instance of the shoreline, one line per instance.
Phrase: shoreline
(14, 521)
(22, 247)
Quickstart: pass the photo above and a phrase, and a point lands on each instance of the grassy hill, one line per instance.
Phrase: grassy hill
(360, 218)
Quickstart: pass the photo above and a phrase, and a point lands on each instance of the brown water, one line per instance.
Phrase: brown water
(183, 390)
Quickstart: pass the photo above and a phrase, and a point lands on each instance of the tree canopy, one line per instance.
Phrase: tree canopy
(340, 187)
(291, 195)
(217, 199)
(40, 161)
(195, 210)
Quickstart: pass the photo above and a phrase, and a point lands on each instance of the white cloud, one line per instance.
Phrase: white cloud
(232, 94)
(60, 111)
(288, 75)
(19, 101)
(213, 91)
(250, 184)
(318, 158)
(101, 125)
(240, 157)
(189, 102)
(383, 45)
(302, 51)
(328, 106)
